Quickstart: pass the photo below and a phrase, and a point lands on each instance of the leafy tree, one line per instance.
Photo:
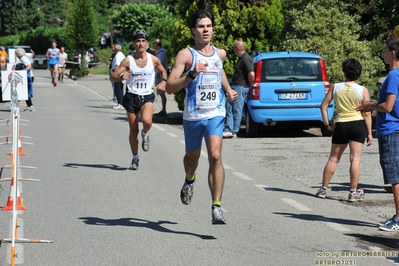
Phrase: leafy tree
(378, 18)
(21, 15)
(149, 17)
(47, 12)
(81, 30)
(14, 16)
(103, 9)
(40, 38)
(153, 18)
(170, 4)
(326, 25)
(257, 23)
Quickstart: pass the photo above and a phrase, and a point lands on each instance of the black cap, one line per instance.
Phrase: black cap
(140, 34)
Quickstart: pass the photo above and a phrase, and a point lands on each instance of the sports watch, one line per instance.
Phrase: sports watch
(190, 75)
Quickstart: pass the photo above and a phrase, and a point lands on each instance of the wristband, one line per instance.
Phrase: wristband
(190, 74)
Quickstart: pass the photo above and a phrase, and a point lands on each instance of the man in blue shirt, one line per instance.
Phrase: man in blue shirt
(388, 127)
(161, 54)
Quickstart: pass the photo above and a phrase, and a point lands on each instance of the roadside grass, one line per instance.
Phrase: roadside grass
(99, 70)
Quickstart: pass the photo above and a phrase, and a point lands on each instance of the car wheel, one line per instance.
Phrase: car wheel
(251, 127)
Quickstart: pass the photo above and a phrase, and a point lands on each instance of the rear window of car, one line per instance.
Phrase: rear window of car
(290, 69)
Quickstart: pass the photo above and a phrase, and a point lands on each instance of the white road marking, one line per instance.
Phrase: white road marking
(337, 227)
(262, 187)
(172, 135)
(242, 176)
(227, 167)
(296, 204)
(158, 127)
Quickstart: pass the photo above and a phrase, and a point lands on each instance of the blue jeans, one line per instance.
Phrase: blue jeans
(119, 91)
(234, 109)
(113, 86)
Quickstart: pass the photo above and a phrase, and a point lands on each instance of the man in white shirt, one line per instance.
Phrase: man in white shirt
(138, 70)
(118, 85)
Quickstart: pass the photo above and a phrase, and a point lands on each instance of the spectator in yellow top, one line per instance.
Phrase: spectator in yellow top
(3, 58)
(351, 127)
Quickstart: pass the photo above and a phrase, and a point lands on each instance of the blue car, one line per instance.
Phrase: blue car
(288, 90)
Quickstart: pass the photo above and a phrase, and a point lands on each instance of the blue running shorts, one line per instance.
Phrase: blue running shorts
(194, 131)
(389, 157)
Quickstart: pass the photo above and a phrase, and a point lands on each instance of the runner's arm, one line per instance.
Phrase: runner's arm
(122, 71)
(176, 81)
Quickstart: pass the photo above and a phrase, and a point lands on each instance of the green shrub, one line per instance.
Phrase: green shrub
(99, 70)
(9, 40)
(179, 98)
(78, 72)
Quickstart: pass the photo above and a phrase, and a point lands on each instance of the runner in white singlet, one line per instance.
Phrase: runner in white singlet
(139, 73)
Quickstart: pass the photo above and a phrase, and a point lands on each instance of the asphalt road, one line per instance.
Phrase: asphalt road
(99, 213)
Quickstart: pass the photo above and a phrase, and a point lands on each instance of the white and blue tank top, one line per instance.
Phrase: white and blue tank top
(205, 97)
(53, 60)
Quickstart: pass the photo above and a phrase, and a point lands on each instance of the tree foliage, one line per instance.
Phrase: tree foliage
(326, 26)
(13, 16)
(81, 30)
(377, 18)
(40, 38)
(133, 17)
(258, 24)
(47, 12)
(155, 19)
(21, 15)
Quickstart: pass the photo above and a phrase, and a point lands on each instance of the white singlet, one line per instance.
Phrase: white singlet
(141, 80)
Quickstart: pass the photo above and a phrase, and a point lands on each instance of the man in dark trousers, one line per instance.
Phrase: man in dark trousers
(110, 71)
(161, 54)
(242, 80)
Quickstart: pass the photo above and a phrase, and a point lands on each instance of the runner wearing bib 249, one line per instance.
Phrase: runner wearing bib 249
(199, 70)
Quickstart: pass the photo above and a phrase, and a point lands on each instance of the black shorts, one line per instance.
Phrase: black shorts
(133, 102)
(346, 131)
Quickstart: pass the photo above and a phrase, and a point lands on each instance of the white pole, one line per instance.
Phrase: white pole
(15, 132)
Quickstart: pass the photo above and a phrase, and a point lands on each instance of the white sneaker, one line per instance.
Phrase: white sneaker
(119, 107)
(227, 135)
(146, 141)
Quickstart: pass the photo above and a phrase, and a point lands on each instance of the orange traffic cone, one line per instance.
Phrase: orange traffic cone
(20, 151)
(11, 198)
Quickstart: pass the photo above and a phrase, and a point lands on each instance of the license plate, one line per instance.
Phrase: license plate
(293, 96)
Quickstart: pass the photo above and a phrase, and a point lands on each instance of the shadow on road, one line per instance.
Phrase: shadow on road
(368, 188)
(172, 118)
(299, 192)
(386, 242)
(320, 218)
(103, 166)
(281, 132)
(135, 222)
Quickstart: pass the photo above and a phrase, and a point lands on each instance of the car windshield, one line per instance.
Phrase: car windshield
(291, 69)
